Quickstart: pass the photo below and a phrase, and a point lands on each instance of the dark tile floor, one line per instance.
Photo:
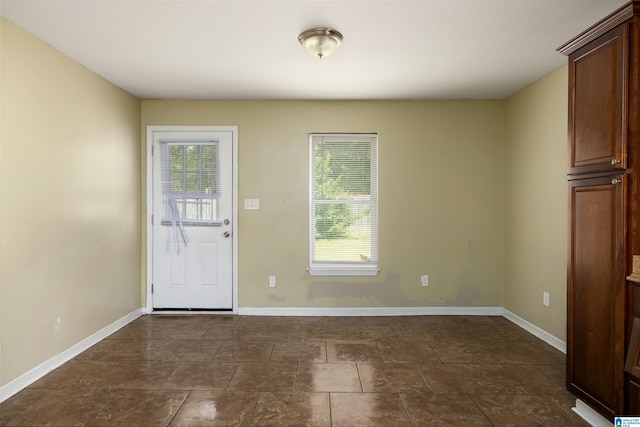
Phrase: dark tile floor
(319, 371)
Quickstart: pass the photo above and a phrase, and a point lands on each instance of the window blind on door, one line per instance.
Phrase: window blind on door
(190, 178)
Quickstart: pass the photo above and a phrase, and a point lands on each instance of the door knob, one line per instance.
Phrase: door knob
(615, 162)
(226, 234)
(615, 181)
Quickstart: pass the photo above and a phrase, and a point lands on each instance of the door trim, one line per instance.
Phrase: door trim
(148, 307)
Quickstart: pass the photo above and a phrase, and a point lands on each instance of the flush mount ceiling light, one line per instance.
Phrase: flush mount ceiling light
(320, 41)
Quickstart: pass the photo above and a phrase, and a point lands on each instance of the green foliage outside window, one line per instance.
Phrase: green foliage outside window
(192, 169)
(342, 171)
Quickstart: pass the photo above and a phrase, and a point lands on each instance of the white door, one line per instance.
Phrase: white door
(192, 213)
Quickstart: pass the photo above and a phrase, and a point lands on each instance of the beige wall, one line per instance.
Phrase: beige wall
(536, 202)
(441, 198)
(70, 213)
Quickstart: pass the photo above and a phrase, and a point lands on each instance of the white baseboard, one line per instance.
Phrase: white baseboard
(590, 415)
(369, 311)
(28, 378)
(534, 330)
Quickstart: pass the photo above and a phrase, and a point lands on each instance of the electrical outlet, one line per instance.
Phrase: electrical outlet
(272, 281)
(252, 204)
(424, 280)
(545, 298)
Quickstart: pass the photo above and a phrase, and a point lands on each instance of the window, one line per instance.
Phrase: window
(190, 181)
(343, 213)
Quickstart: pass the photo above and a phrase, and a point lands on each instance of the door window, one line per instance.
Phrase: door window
(190, 181)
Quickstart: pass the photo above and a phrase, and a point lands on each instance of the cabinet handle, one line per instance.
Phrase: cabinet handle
(615, 181)
(615, 162)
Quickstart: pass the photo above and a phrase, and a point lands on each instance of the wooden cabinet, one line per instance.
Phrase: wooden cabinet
(604, 229)
(598, 78)
(595, 355)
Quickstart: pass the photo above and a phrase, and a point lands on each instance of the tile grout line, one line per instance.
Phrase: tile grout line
(273, 345)
(226, 389)
(472, 397)
(255, 408)
(180, 407)
(330, 411)
(359, 377)
(215, 353)
(406, 410)
(424, 379)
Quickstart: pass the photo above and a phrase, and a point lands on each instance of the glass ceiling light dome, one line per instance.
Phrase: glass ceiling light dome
(320, 42)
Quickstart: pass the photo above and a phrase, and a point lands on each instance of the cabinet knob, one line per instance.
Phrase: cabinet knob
(615, 181)
(615, 162)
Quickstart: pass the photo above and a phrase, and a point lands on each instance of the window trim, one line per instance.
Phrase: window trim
(329, 268)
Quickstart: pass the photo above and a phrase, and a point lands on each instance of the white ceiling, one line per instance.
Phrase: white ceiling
(238, 49)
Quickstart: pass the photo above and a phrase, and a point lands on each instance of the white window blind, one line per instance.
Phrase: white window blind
(190, 180)
(344, 204)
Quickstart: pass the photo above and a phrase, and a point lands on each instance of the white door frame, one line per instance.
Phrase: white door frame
(234, 222)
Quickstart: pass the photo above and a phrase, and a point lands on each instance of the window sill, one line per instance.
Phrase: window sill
(343, 271)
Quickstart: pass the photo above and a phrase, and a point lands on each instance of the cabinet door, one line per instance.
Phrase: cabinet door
(596, 277)
(598, 81)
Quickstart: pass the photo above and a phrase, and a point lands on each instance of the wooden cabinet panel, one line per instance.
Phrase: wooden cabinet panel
(596, 292)
(633, 397)
(598, 74)
(632, 361)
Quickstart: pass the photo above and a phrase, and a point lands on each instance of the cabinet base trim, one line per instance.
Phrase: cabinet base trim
(590, 416)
